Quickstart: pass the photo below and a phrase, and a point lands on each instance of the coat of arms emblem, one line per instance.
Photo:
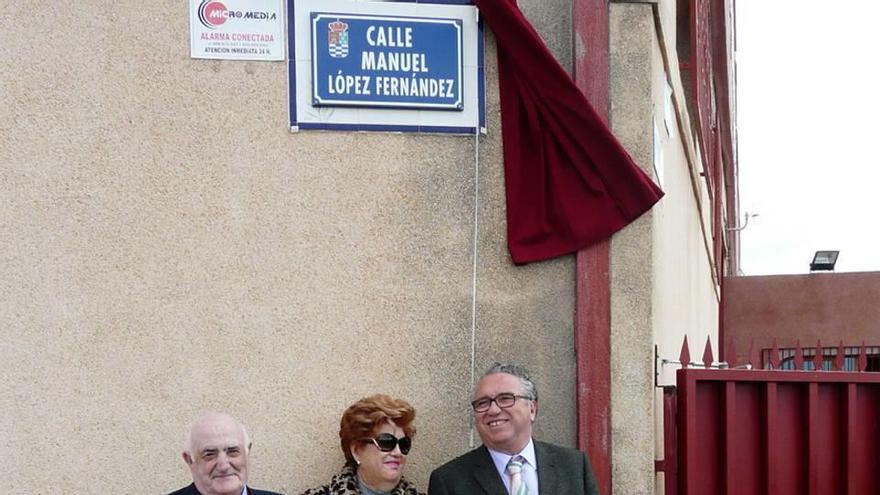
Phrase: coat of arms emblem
(337, 38)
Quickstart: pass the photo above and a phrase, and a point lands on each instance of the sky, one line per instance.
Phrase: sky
(808, 103)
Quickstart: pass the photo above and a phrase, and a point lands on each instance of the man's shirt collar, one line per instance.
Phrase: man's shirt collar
(501, 459)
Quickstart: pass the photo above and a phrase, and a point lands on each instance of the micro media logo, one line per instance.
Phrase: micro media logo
(212, 13)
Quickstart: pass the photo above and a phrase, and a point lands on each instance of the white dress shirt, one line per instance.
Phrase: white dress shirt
(529, 469)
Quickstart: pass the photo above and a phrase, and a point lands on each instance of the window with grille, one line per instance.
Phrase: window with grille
(829, 354)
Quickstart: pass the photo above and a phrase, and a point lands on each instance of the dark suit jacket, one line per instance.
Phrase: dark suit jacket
(191, 490)
(561, 471)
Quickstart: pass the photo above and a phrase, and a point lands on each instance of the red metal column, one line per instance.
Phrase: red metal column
(812, 445)
(851, 430)
(730, 435)
(771, 449)
(687, 431)
(593, 349)
(593, 306)
(670, 440)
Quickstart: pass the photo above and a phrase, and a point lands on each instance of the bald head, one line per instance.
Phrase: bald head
(216, 451)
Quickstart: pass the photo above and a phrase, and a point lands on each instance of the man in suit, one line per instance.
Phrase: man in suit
(510, 461)
(216, 451)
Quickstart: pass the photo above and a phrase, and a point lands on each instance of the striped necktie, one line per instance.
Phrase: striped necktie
(514, 470)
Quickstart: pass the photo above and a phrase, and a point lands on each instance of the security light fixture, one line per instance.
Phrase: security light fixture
(824, 261)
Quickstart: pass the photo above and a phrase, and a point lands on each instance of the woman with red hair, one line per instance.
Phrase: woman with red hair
(375, 434)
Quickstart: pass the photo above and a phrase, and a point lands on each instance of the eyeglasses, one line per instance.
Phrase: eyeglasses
(386, 443)
(503, 400)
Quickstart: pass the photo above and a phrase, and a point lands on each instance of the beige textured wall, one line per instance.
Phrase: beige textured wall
(168, 247)
(684, 297)
(662, 287)
(631, 36)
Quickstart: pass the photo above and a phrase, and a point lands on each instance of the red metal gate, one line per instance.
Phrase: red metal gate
(772, 432)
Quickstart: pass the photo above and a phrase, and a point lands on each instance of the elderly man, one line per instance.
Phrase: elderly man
(509, 461)
(216, 452)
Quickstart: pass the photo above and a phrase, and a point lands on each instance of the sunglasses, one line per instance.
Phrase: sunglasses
(386, 442)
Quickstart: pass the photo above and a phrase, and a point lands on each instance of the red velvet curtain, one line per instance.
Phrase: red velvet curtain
(569, 182)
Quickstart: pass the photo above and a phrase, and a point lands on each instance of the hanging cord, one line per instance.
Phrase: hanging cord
(474, 272)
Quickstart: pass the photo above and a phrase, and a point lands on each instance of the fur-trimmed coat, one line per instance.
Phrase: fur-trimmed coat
(346, 483)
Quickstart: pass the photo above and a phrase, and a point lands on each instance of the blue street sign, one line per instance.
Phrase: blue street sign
(386, 61)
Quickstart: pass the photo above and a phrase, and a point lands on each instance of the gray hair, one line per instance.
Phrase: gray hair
(188, 440)
(528, 386)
